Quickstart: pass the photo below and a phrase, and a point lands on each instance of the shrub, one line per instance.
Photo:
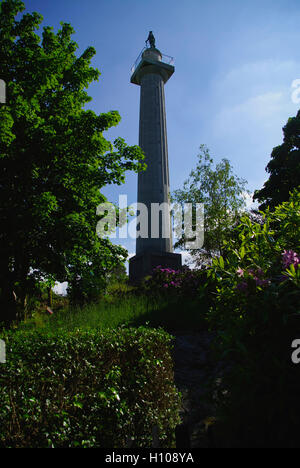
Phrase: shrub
(184, 282)
(256, 312)
(87, 389)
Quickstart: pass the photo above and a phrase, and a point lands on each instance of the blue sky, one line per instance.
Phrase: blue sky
(235, 62)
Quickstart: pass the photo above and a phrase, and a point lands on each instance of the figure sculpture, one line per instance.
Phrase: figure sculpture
(151, 39)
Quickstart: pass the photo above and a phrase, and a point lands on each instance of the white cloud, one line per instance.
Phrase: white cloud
(255, 99)
(253, 116)
(265, 69)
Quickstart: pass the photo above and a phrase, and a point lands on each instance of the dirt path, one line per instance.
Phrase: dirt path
(193, 368)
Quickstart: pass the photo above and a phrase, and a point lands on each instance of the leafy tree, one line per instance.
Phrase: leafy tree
(222, 194)
(118, 274)
(284, 168)
(54, 160)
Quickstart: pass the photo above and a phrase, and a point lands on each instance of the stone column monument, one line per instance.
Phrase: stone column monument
(154, 246)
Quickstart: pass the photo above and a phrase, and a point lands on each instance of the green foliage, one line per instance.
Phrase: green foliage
(54, 160)
(285, 219)
(284, 168)
(222, 194)
(168, 282)
(87, 389)
(123, 306)
(256, 314)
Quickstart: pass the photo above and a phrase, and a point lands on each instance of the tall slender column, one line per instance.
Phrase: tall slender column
(153, 184)
(156, 248)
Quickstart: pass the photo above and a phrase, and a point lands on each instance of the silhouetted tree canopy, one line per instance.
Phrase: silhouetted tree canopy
(284, 168)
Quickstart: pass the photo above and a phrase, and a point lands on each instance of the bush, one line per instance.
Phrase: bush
(87, 389)
(257, 315)
(184, 282)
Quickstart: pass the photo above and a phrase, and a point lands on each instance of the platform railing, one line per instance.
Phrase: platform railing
(164, 59)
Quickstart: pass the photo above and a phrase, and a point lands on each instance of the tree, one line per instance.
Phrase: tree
(54, 160)
(284, 168)
(222, 194)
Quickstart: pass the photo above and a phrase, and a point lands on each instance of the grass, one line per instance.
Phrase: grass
(170, 313)
(62, 355)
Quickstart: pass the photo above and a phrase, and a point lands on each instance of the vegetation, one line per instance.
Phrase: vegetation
(54, 160)
(95, 369)
(88, 389)
(250, 301)
(223, 195)
(284, 168)
(256, 314)
(121, 308)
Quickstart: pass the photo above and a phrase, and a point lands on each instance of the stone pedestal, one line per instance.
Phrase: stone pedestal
(143, 264)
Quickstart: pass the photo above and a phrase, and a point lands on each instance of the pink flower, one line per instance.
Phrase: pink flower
(289, 257)
(261, 282)
(257, 273)
(240, 272)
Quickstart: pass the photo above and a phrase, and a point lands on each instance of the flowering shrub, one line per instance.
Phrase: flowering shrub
(256, 314)
(289, 257)
(251, 278)
(183, 282)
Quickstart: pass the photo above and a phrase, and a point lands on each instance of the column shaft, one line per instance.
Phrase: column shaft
(153, 184)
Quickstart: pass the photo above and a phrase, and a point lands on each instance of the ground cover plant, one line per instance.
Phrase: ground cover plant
(157, 302)
(99, 374)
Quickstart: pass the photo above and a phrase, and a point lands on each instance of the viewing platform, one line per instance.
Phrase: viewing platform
(152, 56)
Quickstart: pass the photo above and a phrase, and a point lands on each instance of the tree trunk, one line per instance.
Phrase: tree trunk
(50, 297)
(8, 306)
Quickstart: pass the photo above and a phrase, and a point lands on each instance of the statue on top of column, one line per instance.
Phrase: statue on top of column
(151, 40)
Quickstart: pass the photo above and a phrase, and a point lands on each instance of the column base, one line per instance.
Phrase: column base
(142, 265)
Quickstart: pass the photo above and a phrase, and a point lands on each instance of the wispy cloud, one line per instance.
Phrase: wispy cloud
(255, 98)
